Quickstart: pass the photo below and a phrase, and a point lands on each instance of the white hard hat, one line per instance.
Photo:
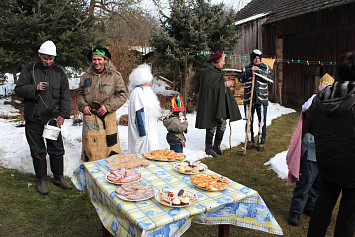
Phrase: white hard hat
(48, 48)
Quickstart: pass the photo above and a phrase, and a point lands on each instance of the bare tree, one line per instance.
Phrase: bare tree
(123, 21)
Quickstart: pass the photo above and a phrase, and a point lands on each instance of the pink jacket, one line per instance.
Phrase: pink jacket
(293, 157)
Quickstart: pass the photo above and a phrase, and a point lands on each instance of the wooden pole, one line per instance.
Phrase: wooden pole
(185, 93)
(230, 135)
(249, 115)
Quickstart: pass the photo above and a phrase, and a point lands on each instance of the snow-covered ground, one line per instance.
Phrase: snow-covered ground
(15, 153)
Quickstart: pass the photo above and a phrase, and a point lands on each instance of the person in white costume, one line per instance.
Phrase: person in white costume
(143, 112)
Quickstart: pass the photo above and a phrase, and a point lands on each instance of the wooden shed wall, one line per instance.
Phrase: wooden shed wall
(321, 36)
(250, 34)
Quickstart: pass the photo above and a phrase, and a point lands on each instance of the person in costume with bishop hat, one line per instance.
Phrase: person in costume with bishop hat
(143, 112)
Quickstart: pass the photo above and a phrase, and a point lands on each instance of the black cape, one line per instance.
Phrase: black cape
(215, 100)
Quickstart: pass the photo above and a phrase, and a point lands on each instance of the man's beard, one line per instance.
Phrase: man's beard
(152, 103)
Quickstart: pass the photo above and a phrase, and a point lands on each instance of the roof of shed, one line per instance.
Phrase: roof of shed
(284, 9)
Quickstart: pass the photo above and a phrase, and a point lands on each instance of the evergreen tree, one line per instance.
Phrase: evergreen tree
(193, 26)
(26, 24)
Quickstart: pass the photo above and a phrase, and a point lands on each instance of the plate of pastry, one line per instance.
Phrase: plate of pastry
(188, 167)
(123, 176)
(164, 155)
(137, 191)
(176, 197)
(211, 182)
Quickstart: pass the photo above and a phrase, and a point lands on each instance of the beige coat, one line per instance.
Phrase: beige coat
(100, 135)
(108, 88)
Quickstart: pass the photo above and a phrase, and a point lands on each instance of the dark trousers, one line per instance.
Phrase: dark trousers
(177, 148)
(221, 127)
(307, 188)
(261, 111)
(39, 150)
(322, 212)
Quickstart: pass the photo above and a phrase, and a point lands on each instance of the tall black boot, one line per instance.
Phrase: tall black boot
(57, 166)
(208, 142)
(217, 142)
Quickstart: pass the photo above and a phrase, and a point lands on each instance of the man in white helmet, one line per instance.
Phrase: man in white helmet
(260, 96)
(44, 88)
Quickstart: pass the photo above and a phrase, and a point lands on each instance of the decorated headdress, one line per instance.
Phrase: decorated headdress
(141, 75)
(177, 104)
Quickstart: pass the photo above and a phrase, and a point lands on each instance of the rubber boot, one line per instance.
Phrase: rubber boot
(217, 142)
(208, 142)
(42, 187)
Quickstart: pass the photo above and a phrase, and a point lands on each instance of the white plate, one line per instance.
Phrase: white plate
(121, 182)
(176, 165)
(175, 191)
(130, 200)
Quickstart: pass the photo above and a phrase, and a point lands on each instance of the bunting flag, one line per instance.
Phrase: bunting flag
(268, 61)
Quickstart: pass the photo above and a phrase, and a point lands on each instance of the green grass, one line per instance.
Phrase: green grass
(23, 212)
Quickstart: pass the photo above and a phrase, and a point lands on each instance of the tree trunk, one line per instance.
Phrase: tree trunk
(15, 77)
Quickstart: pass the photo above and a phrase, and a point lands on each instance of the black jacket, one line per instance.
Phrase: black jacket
(47, 104)
(215, 100)
(261, 91)
(331, 119)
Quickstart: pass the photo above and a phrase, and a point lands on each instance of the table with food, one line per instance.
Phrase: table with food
(152, 195)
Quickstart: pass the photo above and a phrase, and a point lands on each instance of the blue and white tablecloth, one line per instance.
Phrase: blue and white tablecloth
(238, 205)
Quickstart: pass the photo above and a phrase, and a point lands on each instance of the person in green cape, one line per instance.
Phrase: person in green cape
(216, 104)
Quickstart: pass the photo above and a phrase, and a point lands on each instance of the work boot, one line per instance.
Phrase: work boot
(217, 142)
(260, 147)
(60, 181)
(42, 187)
(293, 219)
(250, 144)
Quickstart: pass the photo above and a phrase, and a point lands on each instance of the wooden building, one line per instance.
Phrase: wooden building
(297, 31)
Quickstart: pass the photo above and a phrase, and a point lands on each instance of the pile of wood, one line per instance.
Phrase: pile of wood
(237, 87)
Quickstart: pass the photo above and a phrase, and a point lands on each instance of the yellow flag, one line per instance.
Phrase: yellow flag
(268, 61)
(328, 78)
